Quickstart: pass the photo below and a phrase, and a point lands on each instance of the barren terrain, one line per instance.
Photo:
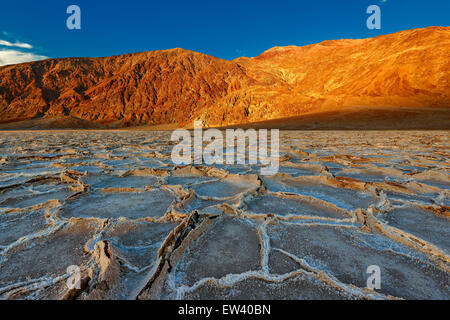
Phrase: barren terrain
(408, 69)
(112, 203)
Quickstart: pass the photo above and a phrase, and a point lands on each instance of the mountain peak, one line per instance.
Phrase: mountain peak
(405, 69)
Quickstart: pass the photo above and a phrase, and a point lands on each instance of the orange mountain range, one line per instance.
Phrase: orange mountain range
(397, 81)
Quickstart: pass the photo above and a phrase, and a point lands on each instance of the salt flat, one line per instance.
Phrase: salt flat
(112, 203)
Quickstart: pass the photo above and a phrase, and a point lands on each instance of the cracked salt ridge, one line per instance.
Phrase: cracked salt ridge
(9, 179)
(373, 178)
(84, 168)
(297, 172)
(219, 245)
(342, 198)
(135, 246)
(344, 253)
(15, 226)
(227, 190)
(63, 246)
(205, 206)
(211, 251)
(41, 284)
(411, 168)
(281, 288)
(425, 225)
(226, 286)
(133, 238)
(427, 199)
(131, 205)
(187, 181)
(287, 207)
(34, 172)
(371, 174)
(119, 163)
(30, 198)
(438, 184)
(155, 163)
(103, 181)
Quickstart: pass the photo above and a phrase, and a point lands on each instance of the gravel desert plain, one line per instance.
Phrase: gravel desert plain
(87, 179)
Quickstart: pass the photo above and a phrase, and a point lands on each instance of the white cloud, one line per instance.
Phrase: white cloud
(15, 44)
(13, 51)
(8, 57)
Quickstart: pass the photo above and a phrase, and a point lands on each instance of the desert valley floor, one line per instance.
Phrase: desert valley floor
(138, 227)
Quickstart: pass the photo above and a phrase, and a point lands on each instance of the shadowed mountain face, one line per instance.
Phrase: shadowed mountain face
(406, 69)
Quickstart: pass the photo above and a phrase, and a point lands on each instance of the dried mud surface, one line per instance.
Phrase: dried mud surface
(139, 227)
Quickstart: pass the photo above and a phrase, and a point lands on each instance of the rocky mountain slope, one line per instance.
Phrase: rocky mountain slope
(406, 69)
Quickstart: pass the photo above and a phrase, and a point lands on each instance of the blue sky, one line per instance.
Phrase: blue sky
(31, 30)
